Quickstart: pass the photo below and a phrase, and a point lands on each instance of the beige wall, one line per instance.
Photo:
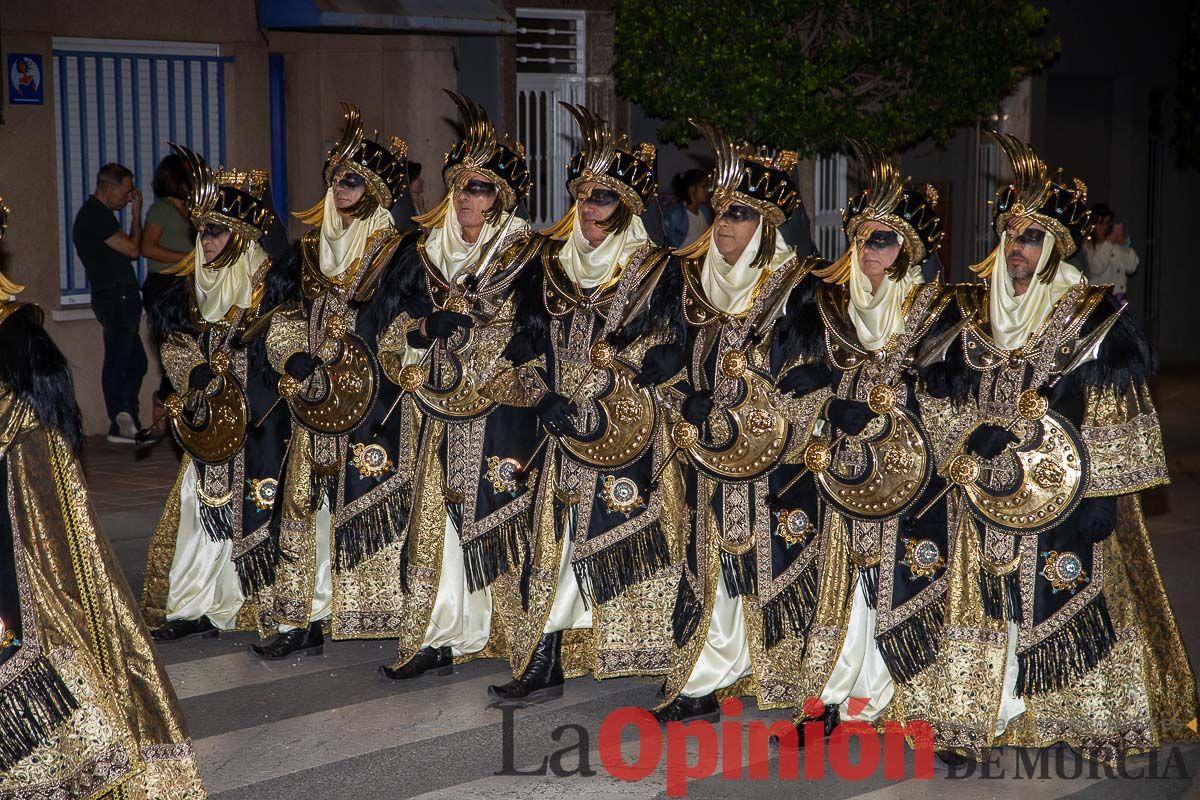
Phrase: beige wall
(396, 81)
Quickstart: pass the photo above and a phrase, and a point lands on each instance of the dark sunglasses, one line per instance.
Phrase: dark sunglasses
(739, 213)
(881, 240)
(213, 230)
(350, 180)
(478, 188)
(600, 198)
(1030, 237)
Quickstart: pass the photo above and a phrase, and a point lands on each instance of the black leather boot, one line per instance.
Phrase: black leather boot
(178, 629)
(542, 679)
(689, 708)
(310, 640)
(832, 718)
(437, 659)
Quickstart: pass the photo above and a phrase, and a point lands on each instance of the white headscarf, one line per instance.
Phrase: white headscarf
(1015, 317)
(218, 290)
(590, 266)
(879, 316)
(342, 245)
(447, 250)
(730, 287)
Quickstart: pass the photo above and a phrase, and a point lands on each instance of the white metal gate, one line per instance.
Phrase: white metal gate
(550, 68)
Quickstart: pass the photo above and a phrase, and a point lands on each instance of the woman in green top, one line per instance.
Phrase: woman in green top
(167, 237)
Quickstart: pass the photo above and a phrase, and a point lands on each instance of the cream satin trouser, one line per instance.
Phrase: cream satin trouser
(1011, 706)
(202, 581)
(569, 610)
(322, 603)
(725, 656)
(461, 619)
(860, 671)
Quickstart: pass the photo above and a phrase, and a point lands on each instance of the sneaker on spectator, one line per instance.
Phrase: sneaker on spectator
(123, 430)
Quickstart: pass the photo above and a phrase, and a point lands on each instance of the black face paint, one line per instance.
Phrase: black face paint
(213, 230)
(881, 240)
(739, 213)
(477, 188)
(600, 198)
(1030, 237)
(350, 180)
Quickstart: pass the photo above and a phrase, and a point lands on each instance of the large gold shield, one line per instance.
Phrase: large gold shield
(337, 397)
(626, 417)
(215, 430)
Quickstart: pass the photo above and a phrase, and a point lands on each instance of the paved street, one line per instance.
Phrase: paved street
(328, 728)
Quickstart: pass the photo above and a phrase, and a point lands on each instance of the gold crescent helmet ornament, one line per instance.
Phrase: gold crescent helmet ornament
(895, 468)
(609, 159)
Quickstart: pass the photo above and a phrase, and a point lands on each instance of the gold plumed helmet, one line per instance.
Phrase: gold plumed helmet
(611, 161)
(501, 160)
(1034, 196)
(384, 166)
(887, 198)
(750, 176)
(234, 199)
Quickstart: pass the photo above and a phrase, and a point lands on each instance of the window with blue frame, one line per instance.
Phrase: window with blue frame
(123, 100)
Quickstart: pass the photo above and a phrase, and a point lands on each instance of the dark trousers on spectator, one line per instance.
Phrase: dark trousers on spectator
(119, 312)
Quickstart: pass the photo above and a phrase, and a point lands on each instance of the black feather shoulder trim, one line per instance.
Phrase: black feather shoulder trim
(38, 372)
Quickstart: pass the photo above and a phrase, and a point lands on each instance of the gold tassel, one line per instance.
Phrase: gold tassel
(314, 215)
(561, 230)
(437, 216)
(8, 288)
(838, 272)
(698, 248)
(184, 266)
(985, 268)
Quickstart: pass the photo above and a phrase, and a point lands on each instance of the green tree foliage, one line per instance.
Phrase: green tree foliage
(807, 74)
(1187, 97)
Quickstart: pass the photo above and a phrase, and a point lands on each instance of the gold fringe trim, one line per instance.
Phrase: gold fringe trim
(184, 266)
(437, 215)
(985, 268)
(698, 248)
(314, 215)
(561, 230)
(838, 272)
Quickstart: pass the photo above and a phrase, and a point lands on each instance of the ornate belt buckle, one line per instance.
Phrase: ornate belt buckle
(502, 472)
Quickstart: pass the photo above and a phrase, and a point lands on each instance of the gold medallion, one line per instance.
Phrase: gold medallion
(817, 457)
(262, 492)
(922, 557)
(620, 494)
(1064, 571)
(371, 460)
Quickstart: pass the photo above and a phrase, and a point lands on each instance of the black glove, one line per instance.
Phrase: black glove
(618, 339)
(1096, 518)
(851, 416)
(804, 379)
(443, 324)
(200, 376)
(697, 406)
(555, 412)
(989, 441)
(521, 348)
(417, 341)
(660, 362)
(301, 365)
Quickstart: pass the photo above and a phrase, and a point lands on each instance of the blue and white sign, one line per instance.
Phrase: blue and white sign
(25, 79)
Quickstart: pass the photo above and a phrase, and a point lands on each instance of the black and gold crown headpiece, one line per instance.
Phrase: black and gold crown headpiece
(610, 160)
(1034, 196)
(750, 176)
(480, 151)
(227, 197)
(382, 165)
(889, 199)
